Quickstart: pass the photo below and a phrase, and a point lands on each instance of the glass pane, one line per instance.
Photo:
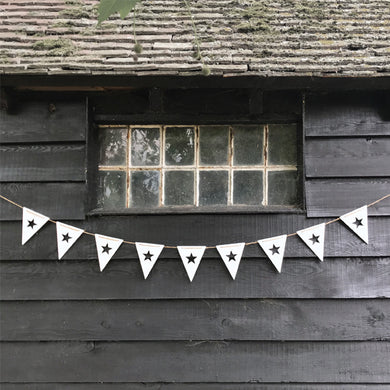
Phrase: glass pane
(145, 188)
(214, 145)
(179, 145)
(111, 189)
(248, 145)
(145, 146)
(282, 188)
(179, 188)
(282, 145)
(213, 187)
(248, 187)
(113, 144)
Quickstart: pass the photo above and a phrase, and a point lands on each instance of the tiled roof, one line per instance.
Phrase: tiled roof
(245, 37)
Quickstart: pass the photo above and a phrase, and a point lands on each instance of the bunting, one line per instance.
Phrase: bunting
(32, 222)
(148, 255)
(231, 255)
(357, 221)
(191, 256)
(274, 249)
(314, 238)
(106, 248)
(66, 236)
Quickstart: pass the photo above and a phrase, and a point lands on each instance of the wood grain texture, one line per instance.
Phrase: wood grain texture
(208, 319)
(217, 361)
(193, 230)
(189, 386)
(40, 121)
(347, 157)
(56, 200)
(335, 278)
(331, 198)
(43, 162)
(347, 114)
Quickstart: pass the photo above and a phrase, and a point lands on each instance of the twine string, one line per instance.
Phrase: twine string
(207, 247)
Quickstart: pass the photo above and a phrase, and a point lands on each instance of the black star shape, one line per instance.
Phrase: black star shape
(314, 239)
(358, 222)
(106, 249)
(66, 237)
(148, 256)
(191, 258)
(31, 224)
(232, 256)
(274, 249)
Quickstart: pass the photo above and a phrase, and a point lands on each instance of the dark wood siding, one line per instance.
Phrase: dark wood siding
(317, 325)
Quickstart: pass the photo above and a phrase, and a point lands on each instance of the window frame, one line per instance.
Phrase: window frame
(93, 164)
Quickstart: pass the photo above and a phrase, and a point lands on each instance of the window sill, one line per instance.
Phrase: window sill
(203, 210)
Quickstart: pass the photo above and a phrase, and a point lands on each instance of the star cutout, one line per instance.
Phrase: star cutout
(31, 224)
(232, 256)
(314, 239)
(191, 258)
(148, 256)
(358, 222)
(275, 249)
(106, 249)
(66, 237)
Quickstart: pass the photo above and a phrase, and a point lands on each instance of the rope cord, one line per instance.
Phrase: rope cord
(207, 247)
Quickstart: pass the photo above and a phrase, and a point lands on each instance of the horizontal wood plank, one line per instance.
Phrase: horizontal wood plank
(335, 278)
(56, 200)
(217, 361)
(347, 114)
(190, 386)
(44, 121)
(332, 197)
(193, 230)
(343, 157)
(44, 162)
(252, 319)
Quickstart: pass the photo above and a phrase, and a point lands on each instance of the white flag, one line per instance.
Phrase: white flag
(274, 249)
(231, 255)
(191, 257)
(66, 236)
(357, 221)
(148, 255)
(32, 222)
(314, 238)
(106, 248)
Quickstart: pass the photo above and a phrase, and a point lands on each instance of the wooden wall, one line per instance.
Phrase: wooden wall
(322, 326)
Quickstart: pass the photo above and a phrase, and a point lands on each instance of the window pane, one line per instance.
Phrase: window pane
(282, 144)
(282, 188)
(179, 145)
(248, 187)
(213, 187)
(113, 144)
(214, 145)
(248, 145)
(112, 189)
(145, 146)
(144, 188)
(179, 188)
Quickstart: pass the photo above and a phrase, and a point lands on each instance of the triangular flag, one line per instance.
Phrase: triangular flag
(106, 248)
(314, 238)
(148, 255)
(66, 236)
(32, 222)
(357, 221)
(231, 255)
(274, 249)
(191, 257)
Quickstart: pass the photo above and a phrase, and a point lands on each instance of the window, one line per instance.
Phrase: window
(143, 167)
